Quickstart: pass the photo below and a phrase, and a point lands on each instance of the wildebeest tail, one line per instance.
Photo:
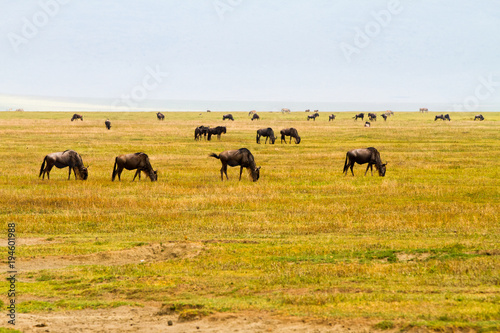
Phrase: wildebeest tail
(214, 155)
(346, 165)
(114, 171)
(42, 167)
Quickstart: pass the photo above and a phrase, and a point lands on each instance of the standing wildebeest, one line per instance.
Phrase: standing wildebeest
(424, 110)
(228, 116)
(285, 110)
(199, 131)
(268, 133)
(77, 116)
(255, 117)
(384, 116)
(139, 161)
(216, 131)
(313, 116)
(359, 115)
(64, 159)
(251, 112)
(292, 133)
(364, 155)
(242, 157)
(389, 113)
(160, 116)
(372, 116)
(446, 116)
(108, 124)
(479, 116)
(331, 117)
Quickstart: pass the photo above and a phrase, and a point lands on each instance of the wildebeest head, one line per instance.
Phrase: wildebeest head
(256, 174)
(155, 175)
(84, 173)
(382, 169)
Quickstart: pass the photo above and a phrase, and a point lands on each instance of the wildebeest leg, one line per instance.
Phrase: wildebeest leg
(351, 166)
(223, 171)
(138, 172)
(71, 169)
(369, 165)
(241, 170)
(266, 140)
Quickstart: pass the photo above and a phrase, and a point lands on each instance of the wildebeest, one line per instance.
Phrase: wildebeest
(268, 133)
(139, 161)
(367, 124)
(479, 116)
(313, 116)
(67, 158)
(255, 117)
(216, 131)
(77, 116)
(199, 131)
(424, 110)
(228, 116)
(389, 113)
(308, 110)
(242, 157)
(251, 112)
(364, 155)
(372, 116)
(292, 133)
(285, 110)
(108, 124)
(384, 116)
(446, 116)
(331, 117)
(160, 115)
(359, 115)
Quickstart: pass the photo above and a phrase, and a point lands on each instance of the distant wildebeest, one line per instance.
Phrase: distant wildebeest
(76, 117)
(134, 161)
(216, 131)
(359, 115)
(367, 124)
(255, 117)
(67, 158)
(209, 111)
(479, 116)
(251, 112)
(160, 116)
(389, 113)
(372, 116)
(364, 155)
(228, 116)
(446, 116)
(308, 110)
(424, 110)
(268, 133)
(108, 124)
(242, 157)
(331, 117)
(292, 133)
(199, 131)
(285, 110)
(313, 116)
(384, 116)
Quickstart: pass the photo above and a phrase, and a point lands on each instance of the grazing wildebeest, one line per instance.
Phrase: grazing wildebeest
(228, 116)
(313, 116)
(292, 133)
(364, 155)
(331, 117)
(255, 117)
(242, 157)
(372, 116)
(108, 124)
(199, 131)
(308, 110)
(424, 110)
(139, 161)
(384, 116)
(268, 133)
(359, 115)
(160, 115)
(67, 158)
(77, 116)
(285, 110)
(479, 116)
(367, 124)
(251, 112)
(446, 116)
(216, 131)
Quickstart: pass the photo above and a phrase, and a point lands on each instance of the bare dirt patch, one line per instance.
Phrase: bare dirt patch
(147, 319)
(30, 241)
(136, 255)
(412, 257)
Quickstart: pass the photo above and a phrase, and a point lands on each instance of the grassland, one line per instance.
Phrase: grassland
(419, 247)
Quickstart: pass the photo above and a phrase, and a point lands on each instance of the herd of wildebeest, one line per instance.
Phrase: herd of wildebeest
(239, 157)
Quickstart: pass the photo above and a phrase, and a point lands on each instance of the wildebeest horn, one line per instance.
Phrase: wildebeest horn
(258, 168)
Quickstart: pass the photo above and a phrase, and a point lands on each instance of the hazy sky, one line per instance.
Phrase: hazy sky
(426, 51)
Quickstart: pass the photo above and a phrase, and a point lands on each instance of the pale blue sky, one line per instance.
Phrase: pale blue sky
(364, 51)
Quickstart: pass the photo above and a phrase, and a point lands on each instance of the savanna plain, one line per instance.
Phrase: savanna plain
(418, 249)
